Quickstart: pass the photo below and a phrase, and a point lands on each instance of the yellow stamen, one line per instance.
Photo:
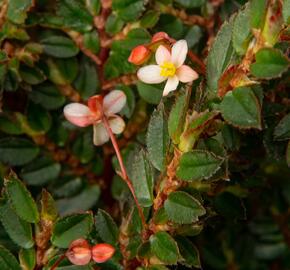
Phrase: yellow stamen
(167, 69)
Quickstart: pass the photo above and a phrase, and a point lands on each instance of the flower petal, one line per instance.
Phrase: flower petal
(170, 85)
(186, 74)
(179, 52)
(78, 114)
(114, 102)
(162, 55)
(117, 124)
(101, 135)
(150, 74)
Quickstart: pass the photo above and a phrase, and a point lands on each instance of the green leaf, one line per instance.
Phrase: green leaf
(7, 260)
(83, 201)
(182, 208)
(164, 247)
(193, 36)
(113, 24)
(286, 11)
(242, 31)
(40, 172)
(75, 15)
(270, 63)
(188, 251)
(142, 179)
(47, 95)
(92, 41)
(9, 125)
(59, 46)
(150, 93)
(21, 200)
(17, 151)
(62, 71)
(106, 227)
(38, 118)
(241, 108)
(197, 165)
(177, 116)
(83, 149)
(128, 10)
(282, 130)
(229, 206)
(17, 10)
(31, 75)
(27, 258)
(93, 6)
(149, 19)
(18, 230)
(270, 251)
(219, 56)
(70, 228)
(195, 124)
(172, 25)
(258, 13)
(190, 3)
(48, 207)
(87, 81)
(157, 138)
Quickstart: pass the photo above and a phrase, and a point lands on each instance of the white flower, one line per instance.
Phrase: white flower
(169, 67)
(82, 115)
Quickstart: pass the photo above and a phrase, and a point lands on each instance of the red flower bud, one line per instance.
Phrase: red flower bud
(139, 55)
(79, 252)
(159, 36)
(102, 252)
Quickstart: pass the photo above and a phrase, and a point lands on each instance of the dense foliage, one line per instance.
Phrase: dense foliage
(208, 164)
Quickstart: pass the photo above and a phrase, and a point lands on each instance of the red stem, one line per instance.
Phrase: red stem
(123, 169)
(55, 265)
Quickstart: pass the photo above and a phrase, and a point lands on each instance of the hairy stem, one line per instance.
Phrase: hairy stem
(124, 174)
(55, 265)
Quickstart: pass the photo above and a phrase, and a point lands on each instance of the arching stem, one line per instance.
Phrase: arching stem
(55, 265)
(124, 174)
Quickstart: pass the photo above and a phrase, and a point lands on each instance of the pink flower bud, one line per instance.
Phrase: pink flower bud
(102, 252)
(139, 55)
(159, 36)
(79, 252)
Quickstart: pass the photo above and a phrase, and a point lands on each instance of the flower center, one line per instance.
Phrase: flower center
(167, 69)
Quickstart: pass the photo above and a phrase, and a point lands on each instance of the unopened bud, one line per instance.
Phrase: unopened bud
(160, 36)
(102, 252)
(139, 55)
(79, 252)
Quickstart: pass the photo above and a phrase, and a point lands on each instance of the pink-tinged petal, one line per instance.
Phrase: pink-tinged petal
(178, 53)
(78, 114)
(95, 104)
(170, 85)
(117, 124)
(150, 74)
(162, 55)
(186, 74)
(101, 135)
(159, 36)
(114, 102)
